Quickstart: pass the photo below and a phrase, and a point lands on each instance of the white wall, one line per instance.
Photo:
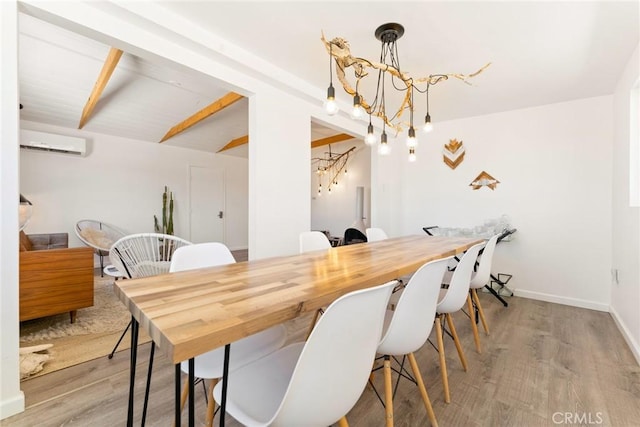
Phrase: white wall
(625, 294)
(121, 182)
(554, 165)
(336, 211)
(11, 398)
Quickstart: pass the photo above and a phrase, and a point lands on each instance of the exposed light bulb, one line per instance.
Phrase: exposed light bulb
(370, 139)
(345, 171)
(357, 112)
(412, 141)
(428, 127)
(330, 104)
(412, 154)
(329, 190)
(384, 148)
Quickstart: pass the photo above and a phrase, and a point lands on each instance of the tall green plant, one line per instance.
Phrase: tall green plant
(167, 217)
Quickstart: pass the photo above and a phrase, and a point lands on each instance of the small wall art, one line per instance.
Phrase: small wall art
(484, 180)
(453, 153)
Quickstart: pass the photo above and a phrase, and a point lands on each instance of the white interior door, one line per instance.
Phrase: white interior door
(206, 209)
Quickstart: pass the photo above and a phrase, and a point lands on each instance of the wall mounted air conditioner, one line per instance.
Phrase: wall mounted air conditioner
(53, 143)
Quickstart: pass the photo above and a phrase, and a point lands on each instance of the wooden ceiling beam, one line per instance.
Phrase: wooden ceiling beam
(235, 143)
(105, 74)
(216, 106)
(314, 144)
(330, 140)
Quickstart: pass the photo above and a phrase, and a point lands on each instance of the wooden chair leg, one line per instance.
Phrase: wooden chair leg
(474, 327)
(313, 323)
(211, 405)
(342, 422)
(443, 362)
(388, 392)
(423, 390)
(474, 294)
(456, 340)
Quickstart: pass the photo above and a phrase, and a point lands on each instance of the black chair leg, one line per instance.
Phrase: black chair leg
(119, 340)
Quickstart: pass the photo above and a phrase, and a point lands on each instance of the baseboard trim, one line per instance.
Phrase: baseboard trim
(631, 342)
(12, 406)
(574, 302)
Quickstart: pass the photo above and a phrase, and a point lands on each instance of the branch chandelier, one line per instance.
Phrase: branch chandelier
(388, 69)
(331, 165)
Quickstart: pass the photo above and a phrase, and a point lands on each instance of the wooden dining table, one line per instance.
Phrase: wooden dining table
(191, 312)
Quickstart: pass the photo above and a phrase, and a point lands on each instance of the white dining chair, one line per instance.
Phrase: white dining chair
(408, 328)
(452, 299)
(478, 280)
(313, 383)
(209, 366)
(375, 234)
(313, 241)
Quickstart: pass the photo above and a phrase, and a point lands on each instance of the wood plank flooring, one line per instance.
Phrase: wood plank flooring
(543, 365)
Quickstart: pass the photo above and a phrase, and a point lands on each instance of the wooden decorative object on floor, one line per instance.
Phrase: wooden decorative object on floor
(453, 153)
(484, 180)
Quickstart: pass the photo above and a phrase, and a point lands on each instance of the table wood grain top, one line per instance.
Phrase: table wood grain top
(191, 312)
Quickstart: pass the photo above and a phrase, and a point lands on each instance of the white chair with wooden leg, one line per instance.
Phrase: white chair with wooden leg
(451, 300)
(209, 366)
(313, 383)
(478, 280)
(408, 328)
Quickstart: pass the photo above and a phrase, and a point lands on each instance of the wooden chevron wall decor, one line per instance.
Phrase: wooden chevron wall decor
(453, 153)
(484, 180)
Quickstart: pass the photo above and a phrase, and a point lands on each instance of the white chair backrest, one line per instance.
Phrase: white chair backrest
(200, 255)
(97, 234)
(456, 294)
(144, 254)
(481, 276)
(413, 316)
(313, 241)
(336, 361)
(375, 234)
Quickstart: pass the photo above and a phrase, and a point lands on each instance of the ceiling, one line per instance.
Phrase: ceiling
(541, 53)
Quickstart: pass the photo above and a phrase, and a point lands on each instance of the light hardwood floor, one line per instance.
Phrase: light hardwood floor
(543, 365)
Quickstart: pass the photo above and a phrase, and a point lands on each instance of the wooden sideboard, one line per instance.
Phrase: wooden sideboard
(54, 281)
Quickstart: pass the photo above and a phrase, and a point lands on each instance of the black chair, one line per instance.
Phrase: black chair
(353, 236)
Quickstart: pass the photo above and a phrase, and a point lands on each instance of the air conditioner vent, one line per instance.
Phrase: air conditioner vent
(53, 143)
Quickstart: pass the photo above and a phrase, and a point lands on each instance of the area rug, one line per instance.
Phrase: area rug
(93, 335)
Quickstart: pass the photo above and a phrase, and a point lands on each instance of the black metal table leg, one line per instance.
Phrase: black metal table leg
(146, 390)
(225, 384)
(132, 369)
(192, 405)
(177, 391)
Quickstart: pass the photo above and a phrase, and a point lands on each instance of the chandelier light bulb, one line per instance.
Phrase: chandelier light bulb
(384, 148)
(330, 105)
(357, 112)
(412, 141)
(370, 139)
(428, 127)
(412, 154)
